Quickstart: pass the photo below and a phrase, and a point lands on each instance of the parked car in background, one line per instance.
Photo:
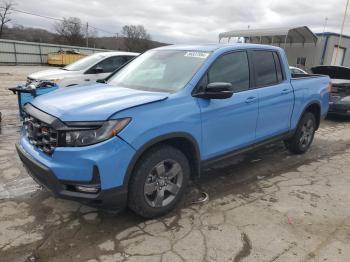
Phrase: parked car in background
(339, 103)
(85, 70)
(296, 70)
(166, 115)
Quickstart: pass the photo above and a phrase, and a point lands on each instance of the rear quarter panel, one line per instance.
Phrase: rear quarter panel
(309, 90)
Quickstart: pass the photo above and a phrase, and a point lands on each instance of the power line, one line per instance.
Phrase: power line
(29, 13)
(57, 19)
(102, 30)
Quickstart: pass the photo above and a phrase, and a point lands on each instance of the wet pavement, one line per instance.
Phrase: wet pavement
(268, 205)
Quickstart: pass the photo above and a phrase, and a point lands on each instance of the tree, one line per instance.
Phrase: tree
(5, 11)
(70, 31)
(136, 38)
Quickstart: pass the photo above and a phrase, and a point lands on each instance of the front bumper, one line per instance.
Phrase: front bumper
(68, 168)
(114, 198)
(339, 108)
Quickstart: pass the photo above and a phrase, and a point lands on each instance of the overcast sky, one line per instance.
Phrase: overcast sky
(187, 21)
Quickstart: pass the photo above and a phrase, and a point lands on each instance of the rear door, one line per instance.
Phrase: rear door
(228, 124)
(275, 93)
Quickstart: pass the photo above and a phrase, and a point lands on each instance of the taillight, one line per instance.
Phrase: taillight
(330, 87)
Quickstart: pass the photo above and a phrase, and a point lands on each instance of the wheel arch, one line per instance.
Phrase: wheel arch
(182, 141)
(315, 108)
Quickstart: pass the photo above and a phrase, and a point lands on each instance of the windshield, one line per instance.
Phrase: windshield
(84, 63)
(160, 70)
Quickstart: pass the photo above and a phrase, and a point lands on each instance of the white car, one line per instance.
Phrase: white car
(85, 70)
(296, 70)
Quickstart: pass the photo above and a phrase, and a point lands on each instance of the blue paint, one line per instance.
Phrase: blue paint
(217, 126)
(24, 98)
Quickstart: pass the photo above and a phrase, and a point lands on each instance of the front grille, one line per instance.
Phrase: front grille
(40, 134)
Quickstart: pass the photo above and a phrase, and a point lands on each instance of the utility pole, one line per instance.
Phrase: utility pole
(341, 32)
(325, 24)
(116, 41)
(249, 35)
(87, 34)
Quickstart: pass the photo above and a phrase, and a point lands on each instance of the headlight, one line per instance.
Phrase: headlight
(86, 136)
(55, 80)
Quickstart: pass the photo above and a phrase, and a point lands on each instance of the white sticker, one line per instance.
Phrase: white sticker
(202, 55)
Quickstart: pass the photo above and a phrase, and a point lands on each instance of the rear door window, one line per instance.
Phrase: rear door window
(265, 69)
(278, 67)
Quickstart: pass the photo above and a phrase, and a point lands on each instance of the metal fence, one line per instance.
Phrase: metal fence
(20, 52)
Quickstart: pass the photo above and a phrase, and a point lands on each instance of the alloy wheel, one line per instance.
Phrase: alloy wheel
(163, 183)
(307, 132)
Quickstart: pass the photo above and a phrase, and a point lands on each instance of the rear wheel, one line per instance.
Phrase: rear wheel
(158, 182)
(304, 135)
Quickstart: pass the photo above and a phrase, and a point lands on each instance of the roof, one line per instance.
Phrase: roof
(113, 53)
(274, 35)
(213, 47)
(204, 47)
(332, 34)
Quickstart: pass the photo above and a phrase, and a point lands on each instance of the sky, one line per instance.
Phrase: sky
(187, 21)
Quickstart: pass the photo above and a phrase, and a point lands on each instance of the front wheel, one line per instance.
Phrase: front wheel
(304, 135)
(158, 181)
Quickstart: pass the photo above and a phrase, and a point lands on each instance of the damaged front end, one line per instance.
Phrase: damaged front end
(339, 102)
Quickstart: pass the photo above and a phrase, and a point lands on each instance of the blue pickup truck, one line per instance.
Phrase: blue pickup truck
(138, 139)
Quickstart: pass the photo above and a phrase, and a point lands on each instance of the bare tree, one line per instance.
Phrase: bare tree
(136, 38)
(70, 31)
(5, 11)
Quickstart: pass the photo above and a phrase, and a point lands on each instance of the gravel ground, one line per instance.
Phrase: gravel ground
(267, 205)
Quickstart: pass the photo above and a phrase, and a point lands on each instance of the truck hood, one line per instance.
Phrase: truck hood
(93, 103)
(334, 72)
(51, 74)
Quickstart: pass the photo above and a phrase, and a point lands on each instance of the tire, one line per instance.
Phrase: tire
(304, 134)
(162, 172)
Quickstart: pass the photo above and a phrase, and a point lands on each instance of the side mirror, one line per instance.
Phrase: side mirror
(216, 90)
(102, 81)
(98, 70)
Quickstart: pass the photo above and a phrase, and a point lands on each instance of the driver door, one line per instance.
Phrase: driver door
(228, 124)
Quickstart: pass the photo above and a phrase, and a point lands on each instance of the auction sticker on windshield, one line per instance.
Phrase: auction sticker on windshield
(202, 55)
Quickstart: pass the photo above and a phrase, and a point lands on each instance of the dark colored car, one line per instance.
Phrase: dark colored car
(339, 103)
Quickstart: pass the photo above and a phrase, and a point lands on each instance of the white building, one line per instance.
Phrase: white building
(303, 48)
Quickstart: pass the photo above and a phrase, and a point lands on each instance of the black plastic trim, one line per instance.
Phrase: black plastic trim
(208, 162)
(314, 102)
(160, 139)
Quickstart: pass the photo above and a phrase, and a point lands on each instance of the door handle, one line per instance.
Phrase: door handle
(285, 91)
(87, 79)
(250, 99)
